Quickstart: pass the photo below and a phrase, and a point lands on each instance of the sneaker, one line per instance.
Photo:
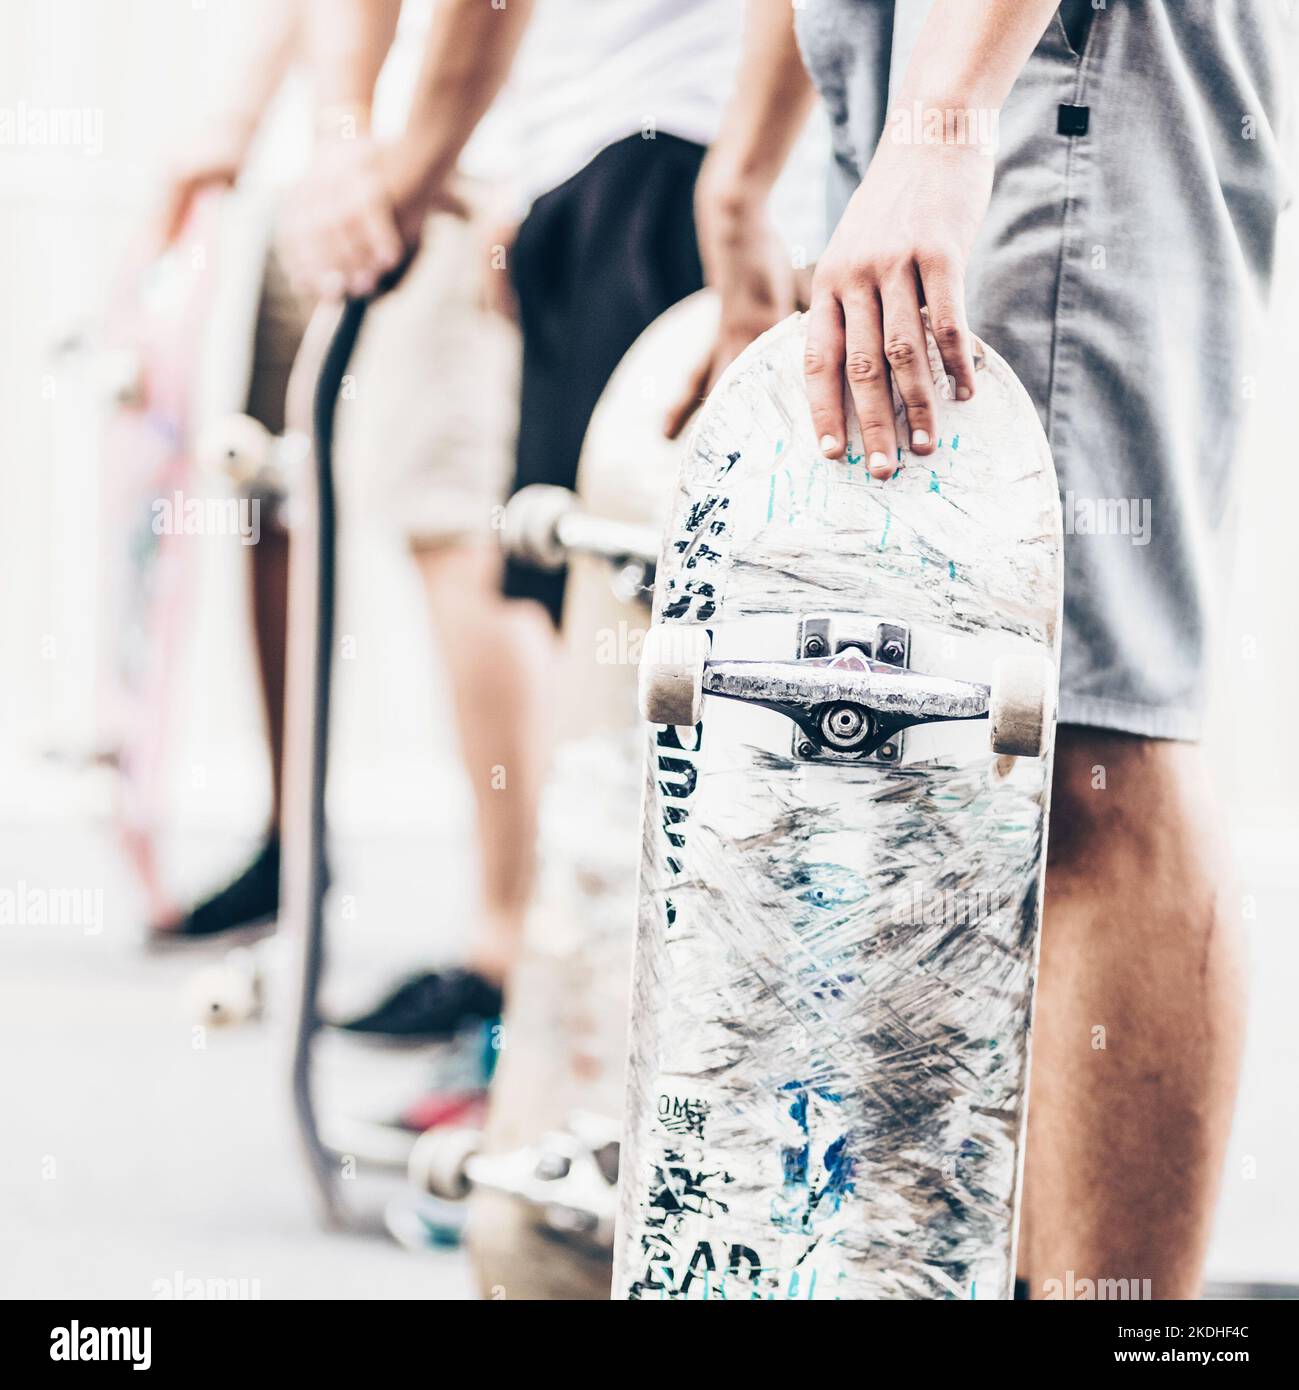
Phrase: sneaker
(250, 900)
(429, 1007)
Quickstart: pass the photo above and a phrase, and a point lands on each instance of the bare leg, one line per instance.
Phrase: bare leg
(270, 605)
(1139, 1020)
(499, 654)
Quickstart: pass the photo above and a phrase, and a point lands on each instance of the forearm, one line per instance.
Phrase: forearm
(274, 44)
(969, 55)
(347, 43)
(767, 110)
(471, 49)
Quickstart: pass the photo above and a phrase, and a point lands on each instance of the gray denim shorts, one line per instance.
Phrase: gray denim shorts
(1122, 271)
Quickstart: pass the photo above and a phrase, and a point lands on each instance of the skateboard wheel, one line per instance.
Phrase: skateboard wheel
(530, 524)
(123, 377)
(439, 1161)
(223, 995)
(1022, 707)
(238, 447)
(672, 674)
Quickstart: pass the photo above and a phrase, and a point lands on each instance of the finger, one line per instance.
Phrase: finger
(690, 401)
(349, 254)
(452, 202)
(175, 211)
(383, 244)
(823, 372)
(908, 358)
(324, 260)
(868, 381)
(943, 284)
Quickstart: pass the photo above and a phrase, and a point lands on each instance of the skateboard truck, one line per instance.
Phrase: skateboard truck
(570, 1178)
(886, 643)
(543, 525)
(846, 703)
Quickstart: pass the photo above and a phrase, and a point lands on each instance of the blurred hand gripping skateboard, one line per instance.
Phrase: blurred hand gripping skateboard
(540, 1180)
(852, 688)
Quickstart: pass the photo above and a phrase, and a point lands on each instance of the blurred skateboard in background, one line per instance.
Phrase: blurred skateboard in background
(152, 341)
(335, 1141)
(301, 463)
(177, 318)
(540, 1179)
(307, 450)
(852, 686)
(346, 1118)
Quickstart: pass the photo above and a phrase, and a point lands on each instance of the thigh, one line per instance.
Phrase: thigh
(281, 321)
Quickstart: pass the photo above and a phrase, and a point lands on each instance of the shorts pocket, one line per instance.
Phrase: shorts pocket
(1075, 18)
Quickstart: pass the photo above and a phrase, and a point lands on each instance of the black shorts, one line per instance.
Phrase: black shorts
(596, 261)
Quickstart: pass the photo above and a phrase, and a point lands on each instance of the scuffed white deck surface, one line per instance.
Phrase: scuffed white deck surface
(835, 961)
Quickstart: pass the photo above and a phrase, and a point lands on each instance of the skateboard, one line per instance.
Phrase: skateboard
(540, 1180)
(850, 685)
(298, 463)
(314, 386)
(153, 344)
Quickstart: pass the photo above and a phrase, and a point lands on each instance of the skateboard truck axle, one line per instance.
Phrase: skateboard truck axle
(544, 525)
(845, 703)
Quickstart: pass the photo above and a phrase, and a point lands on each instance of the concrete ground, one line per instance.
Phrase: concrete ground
(140, 1154)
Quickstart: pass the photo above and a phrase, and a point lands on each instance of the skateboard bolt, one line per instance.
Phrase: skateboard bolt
(892, 652)
(805, 749)
(845, 726)
(552, 1167)
(814, 646)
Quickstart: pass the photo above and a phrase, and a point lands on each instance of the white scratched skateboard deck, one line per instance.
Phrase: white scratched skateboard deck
(837, 936)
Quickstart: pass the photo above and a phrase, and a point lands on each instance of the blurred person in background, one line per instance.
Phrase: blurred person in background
(216, 157)
(430, 428)
(614, 106)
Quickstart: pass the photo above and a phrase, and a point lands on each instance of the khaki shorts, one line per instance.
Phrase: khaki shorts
(426, 435)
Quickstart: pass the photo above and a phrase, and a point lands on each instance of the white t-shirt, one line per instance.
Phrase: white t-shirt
(592, 72)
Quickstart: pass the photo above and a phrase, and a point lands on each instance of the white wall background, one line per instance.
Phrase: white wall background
(145, 69)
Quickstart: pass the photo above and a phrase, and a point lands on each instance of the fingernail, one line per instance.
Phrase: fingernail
(828, 442)
(963, 393)
(919, 439)
(881, 465)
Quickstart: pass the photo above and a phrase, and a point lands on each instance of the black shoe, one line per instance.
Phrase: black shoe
(250, 900)
(428, 1007)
